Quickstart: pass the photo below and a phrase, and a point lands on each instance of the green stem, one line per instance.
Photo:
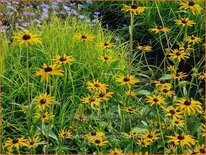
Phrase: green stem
(130, 43)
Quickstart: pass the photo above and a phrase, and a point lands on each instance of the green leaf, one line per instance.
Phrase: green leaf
(166, 77)
(144, 92)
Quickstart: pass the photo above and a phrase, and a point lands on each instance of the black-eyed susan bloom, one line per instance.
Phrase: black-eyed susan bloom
(179, 75)
(130, 110)
(98, 141)
(172, 111)
(106, 58)
(104, 95)
(191, 5)
(93, 101)
(155, 99)
(43, 101)
(65, 134)
(44, 117)
(65, 59)
(184, 22)
(144, 142)
(151, 135)
(170, 149)
(159, 29)
(177, 122)
(94, 134)
(171, 68)
(185, 46)
(161, 84)
(80, 117)
(26, 38)
(95, 85)
(32, 143)
(105, 45)
(84, 37)
(47, 70)
(189, 107)
(127, 80)
(115, 151)
(15, 143)
(202, 76)
(192, 39)
(182, 140)
(144, 48)
(133, 9)
(200, 149)
(166, 92)
(178, 55)
(203, 130)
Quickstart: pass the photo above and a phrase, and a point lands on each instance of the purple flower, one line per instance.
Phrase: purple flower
(89, 1)
(62, 12)
(37, 20)
(82, 17)
(81, 6)
(74, 12)
(26, 13)
(21, 20)
(15, 2)
(45, 6)
(20, 27)
(96, 13)
(66, 8)
(11, 8)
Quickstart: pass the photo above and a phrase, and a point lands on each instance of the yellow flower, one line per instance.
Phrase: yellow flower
(144, 142)
(26, 38)
(94, 101)
(94, 135)
(106, 45)
(171, 68)
(182, 140)
(178, 122)
(127, 80)
(32, 143)
(151, 135)
(84, 37)
(201, 150)
(131, 134)
(184, 22)
(64, 59)
(155, 100)
(15, 143)
(170, 149)
(195, 8)
(43, 101)
(65, 134)
(159, 29)
(165, 92)
(130, 110)
(96, 86)
(106, 58)
(177, 54)
(45, 116)
(184, 46)
(98, 141)
(161, 84)
(115, 151)
(172, 112)
(131, 93)
(192, 39)
(80, 117)
(179, 75)
(144, 48)
(134, 9)
(49, 70)
(189, 106)
(202, 76)
(104, 95)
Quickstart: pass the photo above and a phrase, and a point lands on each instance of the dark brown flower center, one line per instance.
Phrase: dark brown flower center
(191, 3)
(92, 99)
(97, 141)
(106, 58)
(202, 73)
(165, 90)
(130, 109)
(172, 112)
(185, 46)
(177, 74)
(192, 38)
(160, 27)
(84, 37)
(62, 59)
(143, 143)
(101, 94)
(31, 143)
(93, 133)
(184, 21)
(176, 122)
(48, 69)
(97, 85)
(106, 44)
(178, 53)
(134, 6)
(202, 150)
(44, 116)
(187, 102)
(155, 100)
(149, 136)
(126, 79)
(43, 101)
(15, 141)
(180, 137)
(26, 37)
